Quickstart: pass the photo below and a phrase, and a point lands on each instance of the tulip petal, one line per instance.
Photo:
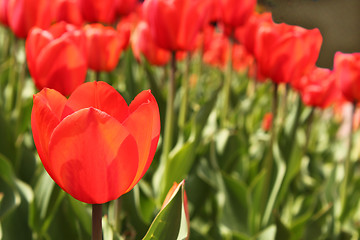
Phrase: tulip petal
(35, 42)
(45, 116)
(99, 95)
(104, 46)
(144, 124)
(93, 157)
(61, 65)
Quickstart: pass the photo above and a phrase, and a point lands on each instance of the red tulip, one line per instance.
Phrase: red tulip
(3, 12)
(131, 20)
(267, 122)
(216, 49)
(242, 61)
(25, 14)
(93, 145)
(319, 88)
(174, 24)
(215, 11)
(347, 69)
(98, 11)
(285, 53)
(68, 11)
(247, 33)
(124, 7)
(104, 46)
(142, 44)
(235, 13)
(57, 57)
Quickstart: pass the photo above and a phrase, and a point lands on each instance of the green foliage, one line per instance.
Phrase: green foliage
(166, 225)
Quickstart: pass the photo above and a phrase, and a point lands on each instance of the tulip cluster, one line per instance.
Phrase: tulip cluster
(96, 147)
(59, 55)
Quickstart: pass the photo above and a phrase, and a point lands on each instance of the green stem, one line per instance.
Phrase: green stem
(227, 86)
(185, 96)
(6, 34)
(117, 210)
(268, 163)
(347, 165)
(283, 107)
(96, 222)
(169, 118)
(12, 79)
(199, 69)
(97, 76)
(20, 86)
(308, 129)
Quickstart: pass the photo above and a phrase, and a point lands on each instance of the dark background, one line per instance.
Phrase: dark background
(338, 21)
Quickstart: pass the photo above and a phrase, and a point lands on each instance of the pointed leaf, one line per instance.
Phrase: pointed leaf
(166, 225)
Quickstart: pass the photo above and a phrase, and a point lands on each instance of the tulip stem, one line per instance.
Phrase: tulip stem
(97, 76)
(117, 210)
(96, 222)
(200, 68)
(283, 109)
(227, 85)
(19, 93)
(308, 129)
(268, 161)
(12, 77)
(169, 118)
(185, 95)
(347, 165)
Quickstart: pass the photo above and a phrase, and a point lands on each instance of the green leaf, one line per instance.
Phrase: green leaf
(131, 88)
(133, 214)
(280, 174)
(6, 171)
(14, 210)
(235, 208)
(267, 234)
(166, 225)
(10, 196)
(202, 115)
(10, 200)
(46, 202)
(178, 166)
(255, 203)
(82, 213)
(282, 232)
(7, 139)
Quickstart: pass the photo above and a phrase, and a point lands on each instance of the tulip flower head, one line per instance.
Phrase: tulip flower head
(124, 7)
(216, 49)
(347, 70)
(57, 57)
(25, 14)
(247, 33)
(68, 11)
(93, 145)
(3, 12)
(242, 61)
(235, 13)
(319, 88)
(104, 46)
(98, 11)
(267, 122)
(174, 24)
(285, 53)
(142, 44)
